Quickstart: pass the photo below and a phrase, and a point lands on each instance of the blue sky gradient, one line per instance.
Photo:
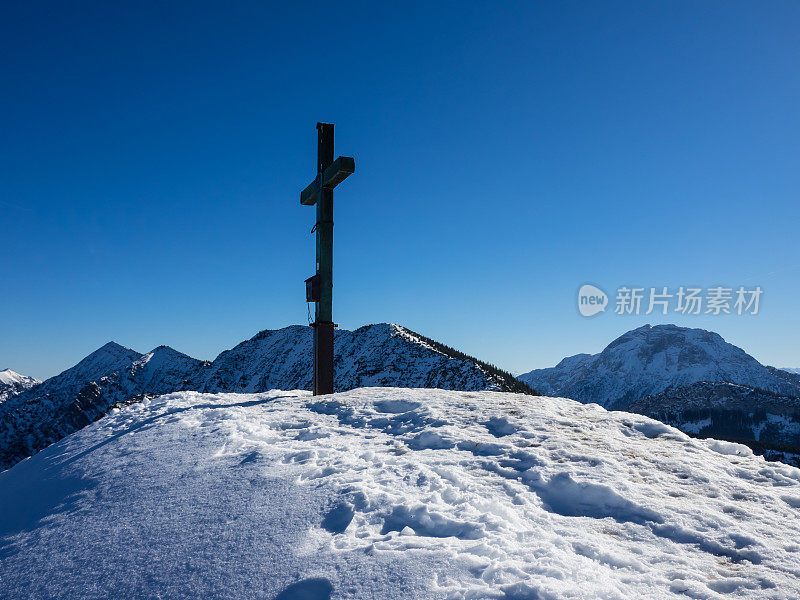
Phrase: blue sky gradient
(506, 153)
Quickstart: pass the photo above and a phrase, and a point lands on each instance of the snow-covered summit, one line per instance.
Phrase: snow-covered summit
(395, 493)
(650, 359)
(162, 367)
(107, 359)
(9, 377)
(12, 383)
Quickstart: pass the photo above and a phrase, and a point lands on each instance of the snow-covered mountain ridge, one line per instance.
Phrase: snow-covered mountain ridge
(374, 355)
(395, 493)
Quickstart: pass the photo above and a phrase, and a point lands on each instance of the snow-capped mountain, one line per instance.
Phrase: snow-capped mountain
(374, 355)
(13, 383)
(394, 493)
(47, 412)
(649, 360)
(107, 359)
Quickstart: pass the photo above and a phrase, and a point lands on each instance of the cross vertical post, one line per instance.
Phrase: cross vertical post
(323, 324)
(319, 288)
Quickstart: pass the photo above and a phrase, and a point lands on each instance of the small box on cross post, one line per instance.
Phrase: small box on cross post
(313, 289)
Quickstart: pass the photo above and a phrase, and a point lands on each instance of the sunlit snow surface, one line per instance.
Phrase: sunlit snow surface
(394, 493)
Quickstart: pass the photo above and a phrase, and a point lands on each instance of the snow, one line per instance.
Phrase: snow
(729, 448)
(12, 378)
(394, 493)
(9, 377)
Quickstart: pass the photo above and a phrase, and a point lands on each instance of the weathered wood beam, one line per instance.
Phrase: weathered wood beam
(341, 169)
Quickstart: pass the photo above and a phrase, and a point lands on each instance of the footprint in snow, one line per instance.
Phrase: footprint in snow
(500, 427)
(338, 518)
(396, 406)
(251, 457)
(564, 496)
(316, 588)
(429, 440)
(428, 524)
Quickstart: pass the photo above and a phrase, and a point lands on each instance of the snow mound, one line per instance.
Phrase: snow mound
(394, 493)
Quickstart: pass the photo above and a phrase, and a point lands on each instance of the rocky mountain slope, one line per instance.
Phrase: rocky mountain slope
(13, 383)
(649, 360)
(767, 421)
(388, 493)
(792, 378)
(375, 355)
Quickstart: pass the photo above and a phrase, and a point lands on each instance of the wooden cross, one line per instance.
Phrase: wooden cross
(319, 288)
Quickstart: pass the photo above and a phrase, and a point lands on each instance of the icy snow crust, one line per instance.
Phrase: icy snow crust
(394, 493)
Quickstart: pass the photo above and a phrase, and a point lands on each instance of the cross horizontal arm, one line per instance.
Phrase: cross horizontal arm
(339, 170)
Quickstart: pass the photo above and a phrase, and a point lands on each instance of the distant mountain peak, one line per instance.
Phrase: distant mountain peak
(9, 376)
(13, 383)
(648, 360)
(113, 348)
(269, 332)
(165, 351)
(163, 357)
(659, 333)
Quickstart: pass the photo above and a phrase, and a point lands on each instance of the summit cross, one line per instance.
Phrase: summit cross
(319, 288)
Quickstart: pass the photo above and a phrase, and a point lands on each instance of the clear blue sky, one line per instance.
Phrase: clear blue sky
(153, 153)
